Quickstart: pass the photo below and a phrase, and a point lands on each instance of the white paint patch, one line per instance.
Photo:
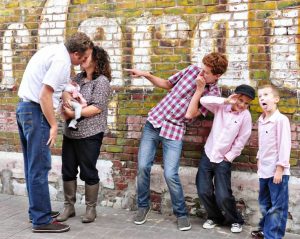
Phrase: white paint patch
(53, 22)
(236, 38)
(112, 42)
(16, 35)
(170, 27)
(283, 47)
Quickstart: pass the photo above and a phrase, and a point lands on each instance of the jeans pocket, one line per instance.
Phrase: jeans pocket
(225, 165)
(25, 120)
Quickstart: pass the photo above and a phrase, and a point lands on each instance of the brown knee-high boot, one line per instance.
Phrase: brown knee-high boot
(91, 196)
(70, 199)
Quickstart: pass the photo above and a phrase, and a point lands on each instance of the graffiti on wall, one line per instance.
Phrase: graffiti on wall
(226, 32)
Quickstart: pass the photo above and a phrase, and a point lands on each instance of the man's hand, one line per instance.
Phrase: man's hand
(52, 136)
(136, 73)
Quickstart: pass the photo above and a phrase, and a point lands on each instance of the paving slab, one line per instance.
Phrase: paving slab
(110, 224)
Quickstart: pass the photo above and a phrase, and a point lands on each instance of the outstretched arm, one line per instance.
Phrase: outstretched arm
(158, 82)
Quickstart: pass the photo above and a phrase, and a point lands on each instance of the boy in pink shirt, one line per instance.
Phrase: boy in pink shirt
(274, 139)
(230, 132)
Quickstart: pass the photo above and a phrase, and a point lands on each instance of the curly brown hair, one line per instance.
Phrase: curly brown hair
(217, 62)
(102, 60)
(102, 63)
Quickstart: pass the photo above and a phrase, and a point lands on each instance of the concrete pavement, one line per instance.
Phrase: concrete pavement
(111, 224)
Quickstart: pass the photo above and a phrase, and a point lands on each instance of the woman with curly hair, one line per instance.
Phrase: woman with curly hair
(81, 147)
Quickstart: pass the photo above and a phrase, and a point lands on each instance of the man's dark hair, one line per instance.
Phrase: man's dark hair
(78, 42)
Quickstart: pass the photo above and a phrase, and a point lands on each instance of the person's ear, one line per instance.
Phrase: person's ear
(218, 76)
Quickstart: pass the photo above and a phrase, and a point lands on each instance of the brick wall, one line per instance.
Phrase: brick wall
(260, 39)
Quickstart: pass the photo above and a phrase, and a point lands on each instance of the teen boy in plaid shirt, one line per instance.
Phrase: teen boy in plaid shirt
(166, 124)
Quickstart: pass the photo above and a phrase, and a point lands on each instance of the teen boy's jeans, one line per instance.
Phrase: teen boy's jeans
(273, 201)
(171, 156)
(34, 134)
(213, 182)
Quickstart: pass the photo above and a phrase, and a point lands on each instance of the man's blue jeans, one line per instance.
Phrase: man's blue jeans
(213, 182)
(274, 202)
(171, 157)
(34, 134)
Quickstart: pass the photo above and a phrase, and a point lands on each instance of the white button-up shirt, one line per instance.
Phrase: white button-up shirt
(51, 66)
(230, 130)
(274, 140)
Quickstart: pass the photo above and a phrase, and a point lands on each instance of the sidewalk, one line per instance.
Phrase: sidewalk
(110, 224)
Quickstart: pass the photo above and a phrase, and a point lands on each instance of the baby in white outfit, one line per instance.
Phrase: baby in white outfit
(77, 102)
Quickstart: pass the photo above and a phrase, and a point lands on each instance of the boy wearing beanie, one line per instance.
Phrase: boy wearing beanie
(230, 132)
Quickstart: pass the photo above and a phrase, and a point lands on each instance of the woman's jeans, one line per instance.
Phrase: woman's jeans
(274, 202)
(171, 157)
(34, 133)
(213, 182)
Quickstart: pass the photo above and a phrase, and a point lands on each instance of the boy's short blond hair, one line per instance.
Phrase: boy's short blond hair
(275, 91)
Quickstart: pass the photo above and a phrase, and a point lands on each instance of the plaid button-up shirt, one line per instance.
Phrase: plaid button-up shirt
(169, 114)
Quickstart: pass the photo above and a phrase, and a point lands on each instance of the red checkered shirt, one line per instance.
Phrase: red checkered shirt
(169, 114)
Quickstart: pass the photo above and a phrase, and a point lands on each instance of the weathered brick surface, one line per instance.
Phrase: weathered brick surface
(260, 38)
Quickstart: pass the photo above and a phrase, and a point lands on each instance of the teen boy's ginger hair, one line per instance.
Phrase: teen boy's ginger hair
(217, 62)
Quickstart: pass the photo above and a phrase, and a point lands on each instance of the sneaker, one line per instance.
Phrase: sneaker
(236, 227)
(183, 223)
(53, 214)
(209, 224)
(257, 234)
(53, 227)
(141, 216)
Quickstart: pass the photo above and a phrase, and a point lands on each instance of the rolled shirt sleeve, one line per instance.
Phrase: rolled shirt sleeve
(212, 103)
(57, 75)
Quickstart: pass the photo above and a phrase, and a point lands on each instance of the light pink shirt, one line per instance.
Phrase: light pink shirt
(230, 131)
(274, 144)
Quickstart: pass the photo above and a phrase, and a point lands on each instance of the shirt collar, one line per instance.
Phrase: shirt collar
(65, 52)
(273, 117)
(228, 108)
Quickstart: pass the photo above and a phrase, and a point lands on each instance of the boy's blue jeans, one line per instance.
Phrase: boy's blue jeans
(171, 157)
(274, 202)
(34, 134)
(213, 182)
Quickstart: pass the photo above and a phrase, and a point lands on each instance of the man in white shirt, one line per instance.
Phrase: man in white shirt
(45, 76)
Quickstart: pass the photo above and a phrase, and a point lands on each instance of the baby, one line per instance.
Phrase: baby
(77, 102)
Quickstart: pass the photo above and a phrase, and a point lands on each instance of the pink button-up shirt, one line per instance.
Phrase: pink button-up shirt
(169, 114)
(274, 144)
(230, 131)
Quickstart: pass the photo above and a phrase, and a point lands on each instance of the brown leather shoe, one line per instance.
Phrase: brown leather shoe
(53, 227)
(53, 214)
(257, 234)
